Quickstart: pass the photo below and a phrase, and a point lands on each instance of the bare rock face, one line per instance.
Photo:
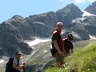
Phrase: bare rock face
(91, 8)
(12, 34)
(68, 13)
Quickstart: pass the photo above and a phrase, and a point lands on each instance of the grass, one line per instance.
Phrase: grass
(2, 68)
(82, 60)
(53, 69)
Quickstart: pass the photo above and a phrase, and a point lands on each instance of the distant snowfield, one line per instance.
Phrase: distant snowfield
(85, 13)
(1, 60)
(4, 58)
(92, 37)
(36, 41)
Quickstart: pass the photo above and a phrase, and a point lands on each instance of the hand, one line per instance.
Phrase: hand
(65, 53)
(61, 54)
(24, 63)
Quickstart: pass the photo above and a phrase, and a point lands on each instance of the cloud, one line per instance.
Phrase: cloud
(61, 0)
(77, 1)
(80, 1)
(83, 1)
(91, 0)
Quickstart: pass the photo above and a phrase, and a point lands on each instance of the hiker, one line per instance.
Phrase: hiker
(57, 45)
(17, 64)
(68, 45)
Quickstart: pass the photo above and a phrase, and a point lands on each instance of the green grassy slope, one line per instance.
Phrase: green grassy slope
(82, 60)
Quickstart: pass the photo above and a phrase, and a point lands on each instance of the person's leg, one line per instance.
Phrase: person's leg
(59, 60)
(58, 64)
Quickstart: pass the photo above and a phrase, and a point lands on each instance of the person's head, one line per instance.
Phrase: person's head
(18, 54)
(70, 36)
(59, 26)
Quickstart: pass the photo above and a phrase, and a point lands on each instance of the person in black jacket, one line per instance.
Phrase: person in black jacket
(57, 45)
(68, 45)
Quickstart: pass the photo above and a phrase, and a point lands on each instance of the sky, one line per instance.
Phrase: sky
(24, 8)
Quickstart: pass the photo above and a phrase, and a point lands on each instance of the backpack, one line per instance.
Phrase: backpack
(9, 65)
(53, 51)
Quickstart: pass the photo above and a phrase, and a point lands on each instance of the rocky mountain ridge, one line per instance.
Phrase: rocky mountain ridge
(14, 31)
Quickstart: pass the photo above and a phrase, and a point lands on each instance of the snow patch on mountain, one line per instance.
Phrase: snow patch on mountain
(1, 60)
(4, 58)
(92, 37)
(36, 41)
(85, 13)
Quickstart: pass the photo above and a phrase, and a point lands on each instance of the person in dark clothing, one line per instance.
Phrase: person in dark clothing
(57, 45)
(68, 45)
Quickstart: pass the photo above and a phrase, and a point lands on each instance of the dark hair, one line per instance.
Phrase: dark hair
(70, 36)
(18, 53)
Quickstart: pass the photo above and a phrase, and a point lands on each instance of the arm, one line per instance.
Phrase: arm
(18, 67)
(57, 48)
(64, 51)
(72, 50)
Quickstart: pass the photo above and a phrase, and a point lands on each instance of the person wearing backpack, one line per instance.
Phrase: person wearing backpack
(17, 64)
(57, 45)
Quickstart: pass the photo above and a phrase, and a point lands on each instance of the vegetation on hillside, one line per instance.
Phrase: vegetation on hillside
(82, 60)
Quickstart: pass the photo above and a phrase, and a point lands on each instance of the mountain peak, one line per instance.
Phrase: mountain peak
(68, 13)
(71, 5)
(18, 18)
(70, 8)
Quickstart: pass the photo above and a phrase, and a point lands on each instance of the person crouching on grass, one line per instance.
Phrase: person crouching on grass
(68, 45)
